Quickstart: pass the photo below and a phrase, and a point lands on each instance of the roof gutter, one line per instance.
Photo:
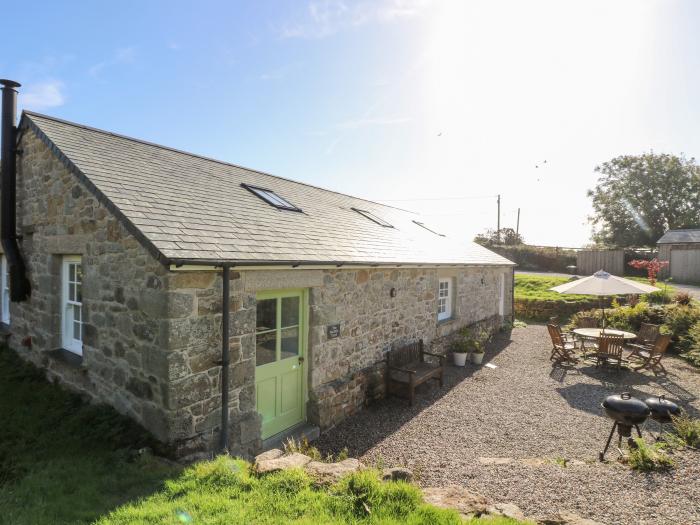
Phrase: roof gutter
(178, 263)
(20, 288)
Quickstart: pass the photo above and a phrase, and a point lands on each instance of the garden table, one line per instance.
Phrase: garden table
(594, 334)
(597, 333)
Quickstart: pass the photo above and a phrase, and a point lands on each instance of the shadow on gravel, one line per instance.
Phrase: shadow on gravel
(384, 417)
(587, 397)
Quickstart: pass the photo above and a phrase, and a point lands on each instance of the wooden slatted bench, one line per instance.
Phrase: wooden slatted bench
(407, 368)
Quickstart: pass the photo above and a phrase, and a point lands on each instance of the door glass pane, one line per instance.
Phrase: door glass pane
(71, 291)
(265, 345)
(267, 315)
(77, 311)
(79, 273)
(290, 342)
(71, 272)
(78, 293)
(290, 311)
(76, 331)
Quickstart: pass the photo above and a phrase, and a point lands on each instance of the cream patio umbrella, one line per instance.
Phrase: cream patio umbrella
(603, 284)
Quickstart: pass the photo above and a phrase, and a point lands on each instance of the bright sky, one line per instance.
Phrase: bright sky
(435, 106)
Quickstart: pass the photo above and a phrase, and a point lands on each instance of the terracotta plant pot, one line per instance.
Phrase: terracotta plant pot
(460, 358)
(477, 358)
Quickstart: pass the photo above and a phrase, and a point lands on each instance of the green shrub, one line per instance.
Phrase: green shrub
(683, 298)
(678, 321)
(687, 429)
(542, 259)
(646, 457)
(628, 318)
(693, 353)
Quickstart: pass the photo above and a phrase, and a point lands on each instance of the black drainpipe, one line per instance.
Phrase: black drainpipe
(225, 359)
(20, 288)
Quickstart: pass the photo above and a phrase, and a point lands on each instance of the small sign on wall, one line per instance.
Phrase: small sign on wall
(333, 331)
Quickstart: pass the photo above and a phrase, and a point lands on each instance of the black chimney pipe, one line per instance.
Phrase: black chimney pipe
(20, 288)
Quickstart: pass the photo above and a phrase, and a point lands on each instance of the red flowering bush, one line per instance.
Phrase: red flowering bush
(652, 267)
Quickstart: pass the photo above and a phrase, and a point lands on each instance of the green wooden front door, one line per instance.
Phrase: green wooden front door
(280, 347)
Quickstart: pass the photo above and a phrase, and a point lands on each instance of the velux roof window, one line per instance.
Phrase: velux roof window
(372, 217)
(271, 198)
(429, 229)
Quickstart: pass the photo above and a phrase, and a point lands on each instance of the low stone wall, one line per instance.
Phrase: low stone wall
(542, 310)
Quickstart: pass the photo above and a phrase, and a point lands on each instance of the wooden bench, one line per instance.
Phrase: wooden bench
(406, 368)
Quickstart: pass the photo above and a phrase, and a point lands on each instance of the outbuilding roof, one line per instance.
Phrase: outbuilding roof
(680, 236)
(191, 209)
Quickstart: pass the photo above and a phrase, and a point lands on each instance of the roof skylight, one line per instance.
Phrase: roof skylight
(372, 217)
(426, 228)
(271, 198)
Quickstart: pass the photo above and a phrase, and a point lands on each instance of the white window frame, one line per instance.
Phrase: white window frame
(68, 307)
(445, 301)
(5, 285)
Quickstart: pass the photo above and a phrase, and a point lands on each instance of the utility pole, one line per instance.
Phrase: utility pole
(517, 224)
(498, 220)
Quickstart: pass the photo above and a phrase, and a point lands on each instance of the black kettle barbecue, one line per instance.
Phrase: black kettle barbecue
(627, 412)
(661, 410)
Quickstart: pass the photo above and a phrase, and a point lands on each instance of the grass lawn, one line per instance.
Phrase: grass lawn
(64, 462)
(536, 288)
(223, 491)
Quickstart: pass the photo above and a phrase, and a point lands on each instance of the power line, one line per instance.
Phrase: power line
(439, 198)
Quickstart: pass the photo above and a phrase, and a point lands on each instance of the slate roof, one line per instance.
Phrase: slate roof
(680, 236)
(191, 209)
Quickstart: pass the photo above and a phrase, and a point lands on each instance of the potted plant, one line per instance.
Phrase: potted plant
(459, 351)
(478, 352)
(478, 344)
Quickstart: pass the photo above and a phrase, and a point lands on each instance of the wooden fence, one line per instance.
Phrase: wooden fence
(590, 261)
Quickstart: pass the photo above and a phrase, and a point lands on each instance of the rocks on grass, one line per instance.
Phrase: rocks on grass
(328, 473)
(566, 518)
(273, 453)
(397, 474)
(293, 460)
(468, 504)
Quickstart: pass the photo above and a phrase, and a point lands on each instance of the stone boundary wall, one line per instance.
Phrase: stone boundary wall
(542, 310)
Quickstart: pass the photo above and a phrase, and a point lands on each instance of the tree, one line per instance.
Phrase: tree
(508, 237)
(652, 267)
(640, 197)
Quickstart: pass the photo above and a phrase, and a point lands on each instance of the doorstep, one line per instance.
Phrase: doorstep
(297, 432)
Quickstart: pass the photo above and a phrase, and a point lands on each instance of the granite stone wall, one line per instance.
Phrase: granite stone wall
(195, 371)
(344, 373)
(348, 372)
(125, 300)
(152, 336)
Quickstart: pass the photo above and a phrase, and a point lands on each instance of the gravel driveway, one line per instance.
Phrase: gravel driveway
(500, 431)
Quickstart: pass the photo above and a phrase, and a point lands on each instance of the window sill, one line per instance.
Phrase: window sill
(449, 320)
(66, 357)
(5, 329)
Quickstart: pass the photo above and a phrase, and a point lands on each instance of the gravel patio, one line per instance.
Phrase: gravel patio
(504, 432)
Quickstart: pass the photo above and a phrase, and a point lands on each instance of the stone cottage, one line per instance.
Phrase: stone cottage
(148, 278)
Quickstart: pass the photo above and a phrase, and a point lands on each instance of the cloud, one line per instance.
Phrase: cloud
(366, 122)
(43, 95)
(327, 17)
(123, 55)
